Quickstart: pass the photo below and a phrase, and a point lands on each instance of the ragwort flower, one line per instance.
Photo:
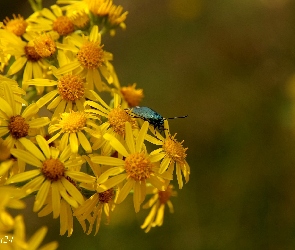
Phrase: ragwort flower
(98, 203)
(26, 53)
(91, 59)
(74, 125)
(157, 204)
(17, 25)
(51, 20)
(172, 154)
(69, 94)
(16, 123)
(136, 169)
(54, 172)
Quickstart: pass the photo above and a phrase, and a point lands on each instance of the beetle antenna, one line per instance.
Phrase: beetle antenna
(176, 117)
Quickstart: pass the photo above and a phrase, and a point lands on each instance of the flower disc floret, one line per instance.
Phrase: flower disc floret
(91, 55)
(63, 26)
(174, 149)
(132, 95)
(32, 54)
(44, 46)
(18, 127)
(106, 196)
(17, 25)
(117, 119)
(73, 122)
(164, 196)
(71, 87)
(138, 166)
(53, 169)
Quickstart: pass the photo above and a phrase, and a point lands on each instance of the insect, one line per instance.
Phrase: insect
(154, 118)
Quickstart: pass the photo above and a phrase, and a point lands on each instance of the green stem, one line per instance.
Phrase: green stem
(36, 4)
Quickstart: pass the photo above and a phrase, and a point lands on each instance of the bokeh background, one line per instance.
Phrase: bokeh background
(229, 65)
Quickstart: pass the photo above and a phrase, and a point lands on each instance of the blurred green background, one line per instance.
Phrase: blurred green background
(230, 66)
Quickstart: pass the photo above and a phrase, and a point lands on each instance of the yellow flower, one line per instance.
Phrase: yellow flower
(19, 237)
(16, 26)
(73, 125)
(54, 20)
(104, 11)
(137, 169)
(54, 172)
(112, 13)
(172, 154)
(93, 207)
(25, 54)
(69, 94)
(131, 95)
(91, 60)
(116, 118)
(16, 123)
(157, 202)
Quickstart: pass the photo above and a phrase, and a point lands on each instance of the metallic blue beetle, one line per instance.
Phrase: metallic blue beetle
(147, 114)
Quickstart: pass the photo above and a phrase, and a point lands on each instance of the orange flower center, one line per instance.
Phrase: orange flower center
(91, 55)
(117, 118)
(73, 122)
(53, 169)
(18, 127)
(44, 46)
(32, 54)
(106, 196)
(131, 95)
(138, 166)
(17, 25)
(164, 196)
(71, 87)
(63, 26)
(174, 149)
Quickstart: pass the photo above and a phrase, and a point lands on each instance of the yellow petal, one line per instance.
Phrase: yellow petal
(116, 144)
(141, 135)
(80, 176)
(41, 195)
(26, 157)
(32, 148)
(125, 190)
(129, 137)
(17, 65)
(111, 182)
(43, 145)
(55, 200)
(46, 98)
(74, 142)
(110, 172)
(164, 164)
(157, 183)
(37, 238)
(5, 107)
(84, 142)
(72, 190)
(106, 160)
(31, 110)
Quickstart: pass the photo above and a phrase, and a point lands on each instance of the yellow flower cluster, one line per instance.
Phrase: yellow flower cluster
(85, 156)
